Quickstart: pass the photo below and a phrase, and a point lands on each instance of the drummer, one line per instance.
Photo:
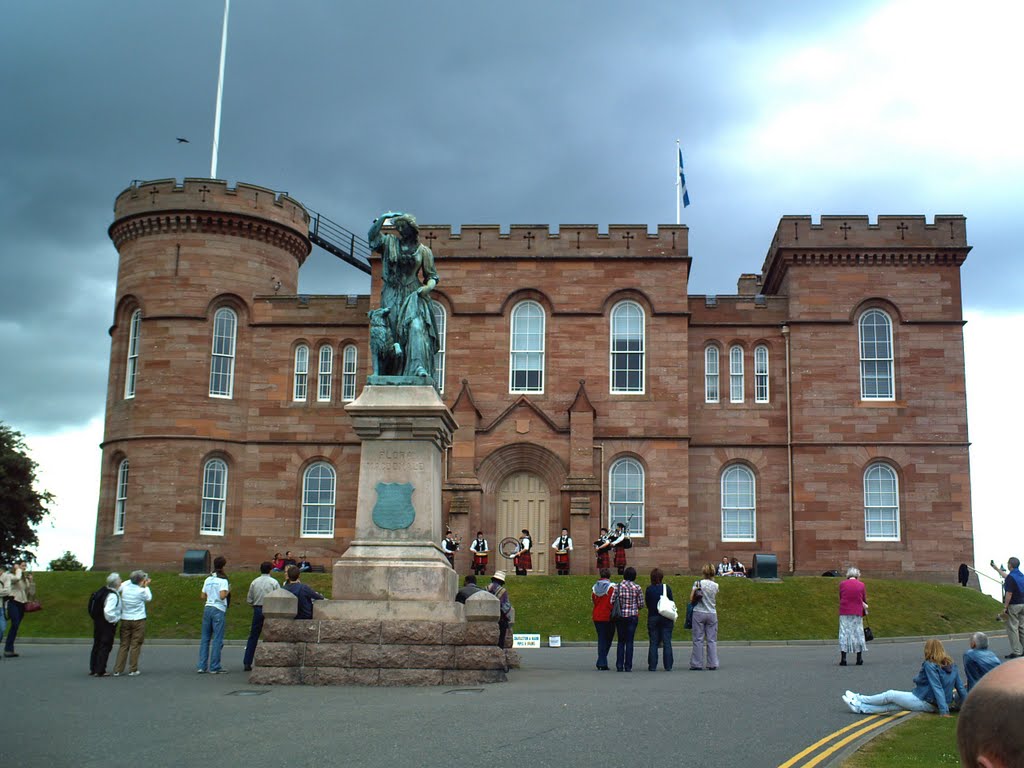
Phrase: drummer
(523, 560)
(480, 552)
(562, 546)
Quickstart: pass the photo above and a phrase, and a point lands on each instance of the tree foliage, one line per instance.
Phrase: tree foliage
(22, 507)
(66, 562)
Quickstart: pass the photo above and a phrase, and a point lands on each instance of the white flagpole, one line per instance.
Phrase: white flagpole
(679, 186)
(220, 92)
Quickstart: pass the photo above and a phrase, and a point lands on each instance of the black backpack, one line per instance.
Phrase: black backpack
(96, 602)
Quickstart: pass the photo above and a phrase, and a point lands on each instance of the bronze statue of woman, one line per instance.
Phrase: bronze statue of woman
(403, 292)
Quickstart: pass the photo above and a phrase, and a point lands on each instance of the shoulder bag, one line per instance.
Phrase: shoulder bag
(667, 608)
(616, 606)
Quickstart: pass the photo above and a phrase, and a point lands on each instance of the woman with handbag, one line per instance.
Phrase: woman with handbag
(852, 607)
(22, 589)
(658, 597)
(704, 597)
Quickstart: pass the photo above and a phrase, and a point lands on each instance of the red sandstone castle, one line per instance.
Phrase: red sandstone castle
(819, 414)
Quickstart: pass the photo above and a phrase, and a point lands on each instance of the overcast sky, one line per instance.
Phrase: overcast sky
(529, 112)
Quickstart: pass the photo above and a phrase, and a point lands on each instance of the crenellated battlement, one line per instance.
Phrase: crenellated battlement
(844, 240)
(211, 195)
(585, 241)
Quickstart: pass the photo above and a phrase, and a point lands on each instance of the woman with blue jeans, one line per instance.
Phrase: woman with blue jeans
(630, 598)
(215, 592)
(933, 691)
(659, 629)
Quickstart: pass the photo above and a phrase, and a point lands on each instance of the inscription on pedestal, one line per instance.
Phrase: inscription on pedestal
(394, 509)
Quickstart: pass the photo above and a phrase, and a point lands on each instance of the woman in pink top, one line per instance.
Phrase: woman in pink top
(852, 605)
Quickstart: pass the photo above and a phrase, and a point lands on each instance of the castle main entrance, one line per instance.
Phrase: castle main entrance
(523, 501)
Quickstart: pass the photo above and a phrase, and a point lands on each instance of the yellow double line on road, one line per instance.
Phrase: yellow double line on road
(835, 743)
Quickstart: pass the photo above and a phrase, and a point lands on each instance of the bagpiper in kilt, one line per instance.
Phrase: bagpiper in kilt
(603, 550)
(523, 560)
(619, 541)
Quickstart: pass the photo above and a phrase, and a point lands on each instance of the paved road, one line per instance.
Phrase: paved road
(763, 706)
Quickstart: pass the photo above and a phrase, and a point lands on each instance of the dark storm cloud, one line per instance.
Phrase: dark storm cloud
(529, 112)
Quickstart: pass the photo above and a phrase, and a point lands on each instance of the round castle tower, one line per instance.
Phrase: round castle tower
(192, 258)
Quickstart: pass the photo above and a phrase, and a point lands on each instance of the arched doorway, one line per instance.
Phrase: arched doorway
(523, 501)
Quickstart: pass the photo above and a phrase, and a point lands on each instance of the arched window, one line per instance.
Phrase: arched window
(323, 380)
(526, 360)
(121, 503)
(348, 373)
(881, 504)
(736, 374)
(318, 501)
(711, 374)
(441, 325)
(761, 374)
(301, 386)
(877, 379)
(133, 354)
(626, 496)
(222, 361)
(215, 497)
(627, 348)
(738, 504)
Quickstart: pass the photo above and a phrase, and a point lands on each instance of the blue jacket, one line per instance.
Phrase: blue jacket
(936, 684)
(978, 661)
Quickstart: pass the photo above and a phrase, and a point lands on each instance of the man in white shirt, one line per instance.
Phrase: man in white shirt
(105, 610)
(261, 586)
(134, 596)
(215, 591)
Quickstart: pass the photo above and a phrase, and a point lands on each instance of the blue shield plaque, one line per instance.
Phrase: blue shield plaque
(394, 509)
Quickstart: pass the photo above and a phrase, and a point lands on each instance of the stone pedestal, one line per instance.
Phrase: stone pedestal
(395, 559)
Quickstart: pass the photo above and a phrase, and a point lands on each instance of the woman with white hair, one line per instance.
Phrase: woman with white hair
(134, 596)
(852, 606)
(105, 609)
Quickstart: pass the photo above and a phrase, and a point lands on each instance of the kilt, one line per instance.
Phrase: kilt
(562, 562)
(523, 561)
(620, 557)
(479, 561)
(602, 559)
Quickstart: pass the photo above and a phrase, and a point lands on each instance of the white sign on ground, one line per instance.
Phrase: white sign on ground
(555, 641)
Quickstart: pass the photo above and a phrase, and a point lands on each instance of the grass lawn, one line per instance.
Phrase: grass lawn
(796, 608)
(926, 740)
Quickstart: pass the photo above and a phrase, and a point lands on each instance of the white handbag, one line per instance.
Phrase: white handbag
(666, 607)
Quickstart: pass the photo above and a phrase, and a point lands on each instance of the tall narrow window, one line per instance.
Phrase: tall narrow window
(526, 362)
(761, 374)
(626, 496)
(318, 501)
(133, 354)
(348, 373)
(121, 503)
(881, 504)
(300, 388)
(738, 510)
(323, 379)
(627, 349)
(441, 325)
(877, 381)
(736, 374)
(215, 496)
(711, 374)
(222, 361)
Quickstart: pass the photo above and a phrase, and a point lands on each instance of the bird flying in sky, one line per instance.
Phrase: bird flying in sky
(182, 141)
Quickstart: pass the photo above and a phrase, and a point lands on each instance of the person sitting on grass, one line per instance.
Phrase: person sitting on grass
(979, 660)
(305, 594)
(933, 691)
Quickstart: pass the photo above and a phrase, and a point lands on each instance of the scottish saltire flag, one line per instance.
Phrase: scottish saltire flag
(682, 181)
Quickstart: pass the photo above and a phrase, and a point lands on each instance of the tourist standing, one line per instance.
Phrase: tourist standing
(105, 609)
(469, 588)
(260, 587)
(5, 591)
(505, 614)
(853, 598)
(629, 597)
(601, 596)
(134, 596)
(1013, 608)
(216, 590)
(21, 588)
(705, 620)
(659, 629)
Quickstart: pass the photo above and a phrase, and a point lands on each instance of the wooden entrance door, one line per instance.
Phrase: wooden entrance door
(523, 503)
